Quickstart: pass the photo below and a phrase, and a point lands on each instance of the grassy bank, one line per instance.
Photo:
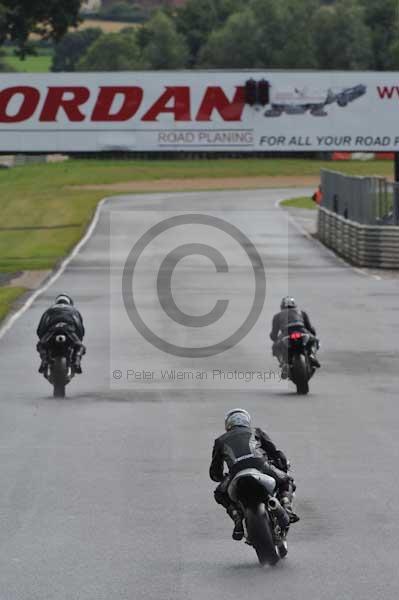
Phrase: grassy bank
(39, 63)
(300, 202)
(8, 295)
(112, 171)
(41, 221)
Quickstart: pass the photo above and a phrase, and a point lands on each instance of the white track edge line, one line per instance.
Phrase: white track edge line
(9, 322)
(302, 230)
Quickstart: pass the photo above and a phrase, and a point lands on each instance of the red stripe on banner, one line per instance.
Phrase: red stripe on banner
(385, 155)
(342, 156)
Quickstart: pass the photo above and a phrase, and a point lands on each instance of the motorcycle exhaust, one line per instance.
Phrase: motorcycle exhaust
(60, 339)
(273, 503)
(281, 515)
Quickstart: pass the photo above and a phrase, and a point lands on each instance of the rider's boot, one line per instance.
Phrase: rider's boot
(44, 359)
(284, 368)
(43, 366)
(283, 365)
(313, 361)
(76, 361)
(77, 366)
(238, 531)
(286, 503)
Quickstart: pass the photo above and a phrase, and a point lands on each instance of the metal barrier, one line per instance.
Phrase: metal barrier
(365, 200)
(359, 217)
(363, 245)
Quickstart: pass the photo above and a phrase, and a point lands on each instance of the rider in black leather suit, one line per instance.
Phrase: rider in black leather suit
(62, 311)
(243, 447)
(289, 319)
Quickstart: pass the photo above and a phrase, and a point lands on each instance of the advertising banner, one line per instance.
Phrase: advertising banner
(198, 110)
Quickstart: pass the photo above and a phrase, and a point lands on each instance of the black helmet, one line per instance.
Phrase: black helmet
(64, 299)
(288, 302)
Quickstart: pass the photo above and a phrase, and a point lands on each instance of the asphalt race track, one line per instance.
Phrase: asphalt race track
(105, 495)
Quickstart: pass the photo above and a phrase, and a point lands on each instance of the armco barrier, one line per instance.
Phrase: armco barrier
(374, 246)
(365, 200)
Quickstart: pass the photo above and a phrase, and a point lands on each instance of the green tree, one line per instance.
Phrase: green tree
(235, 45)
(50, 19)
(4, 67)
(72, 47)
(393, 62)
(165, 48)
(382, 17)
(341, 37)
(297, 44)
(324, 30)
(125, 11)
(196, 19)
(112, 52)
(269, 15)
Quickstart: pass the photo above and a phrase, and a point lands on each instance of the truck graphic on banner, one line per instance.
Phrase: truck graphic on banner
(302, 101)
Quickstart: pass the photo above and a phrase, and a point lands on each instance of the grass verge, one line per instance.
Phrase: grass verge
(8, 295)
(114, 171)
(39, 63)
(300, 202)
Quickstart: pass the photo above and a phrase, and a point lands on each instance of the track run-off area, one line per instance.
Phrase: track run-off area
(105, 495)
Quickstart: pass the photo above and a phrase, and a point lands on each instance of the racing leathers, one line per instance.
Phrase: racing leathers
(74, 328)
(242, 448)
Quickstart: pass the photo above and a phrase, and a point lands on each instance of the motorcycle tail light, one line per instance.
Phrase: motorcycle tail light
(296, 335)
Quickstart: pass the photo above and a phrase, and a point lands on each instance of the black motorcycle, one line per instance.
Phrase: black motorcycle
(266, 523)
(296, 348)
(60, 349)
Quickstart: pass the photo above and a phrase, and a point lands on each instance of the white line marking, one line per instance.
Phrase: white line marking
(307, 235)
(9, 322)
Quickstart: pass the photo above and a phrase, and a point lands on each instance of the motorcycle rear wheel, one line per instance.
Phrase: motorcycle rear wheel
(260, 534)
(300, 374)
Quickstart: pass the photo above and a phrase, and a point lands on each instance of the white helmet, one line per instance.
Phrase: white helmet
(64, 299)
(237, 417)
(288, 302)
